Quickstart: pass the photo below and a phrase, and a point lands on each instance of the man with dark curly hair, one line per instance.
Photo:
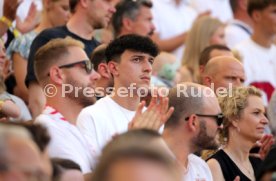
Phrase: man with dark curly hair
(129, 60)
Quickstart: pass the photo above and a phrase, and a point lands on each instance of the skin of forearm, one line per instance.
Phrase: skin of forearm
(170, 44)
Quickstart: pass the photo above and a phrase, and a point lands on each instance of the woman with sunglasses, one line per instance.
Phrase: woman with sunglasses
(243, 125)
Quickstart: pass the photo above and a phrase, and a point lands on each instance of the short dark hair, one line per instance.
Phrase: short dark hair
(234, 5)
(39, 133)
(130, 42)
(258, 5)
(66, 163)
(60, 164)
(129, 9)
(98, 56)
(205, 54)
(73, 4)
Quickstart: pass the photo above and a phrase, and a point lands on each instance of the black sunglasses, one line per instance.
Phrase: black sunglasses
(88, 65)
(219, 117)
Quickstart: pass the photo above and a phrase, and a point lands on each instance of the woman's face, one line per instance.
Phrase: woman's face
(252, 121)
(58, 12)
(218, 37)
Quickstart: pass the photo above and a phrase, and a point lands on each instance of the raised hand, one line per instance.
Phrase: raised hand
(265, 144)
(154, 117)
(30, 21)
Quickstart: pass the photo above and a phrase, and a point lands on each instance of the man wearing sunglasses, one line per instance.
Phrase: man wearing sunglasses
(64, 71)
(193, 127)
(87, 15)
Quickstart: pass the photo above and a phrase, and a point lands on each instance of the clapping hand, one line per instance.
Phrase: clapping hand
(157, 113)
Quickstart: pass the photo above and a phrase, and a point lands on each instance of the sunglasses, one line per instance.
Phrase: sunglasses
(218, 117)
(87, 65)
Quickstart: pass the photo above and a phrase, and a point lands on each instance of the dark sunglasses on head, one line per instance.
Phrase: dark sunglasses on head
(88, 65)
(219, 117)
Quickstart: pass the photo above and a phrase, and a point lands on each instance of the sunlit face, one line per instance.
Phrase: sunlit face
(59, 12)
(99, 12)
(137, 170)
(218, 37)
(267, 20)
(133, 68)
(228, 72)
(78, 78)
(252, 120)
(143, 25)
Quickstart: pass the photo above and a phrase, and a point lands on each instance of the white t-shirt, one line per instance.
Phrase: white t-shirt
(220, 9)
(101, 121)
(236, 32)
(171, 20)
(260, 65)
(66, 140)
(197, 170)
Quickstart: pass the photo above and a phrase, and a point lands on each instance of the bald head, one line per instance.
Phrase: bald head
(223, 70)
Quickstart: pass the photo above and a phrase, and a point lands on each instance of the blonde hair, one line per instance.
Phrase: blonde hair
(233, 105)
(50, 54)
(198, 39)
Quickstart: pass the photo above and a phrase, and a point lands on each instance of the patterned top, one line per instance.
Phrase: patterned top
(21, 45)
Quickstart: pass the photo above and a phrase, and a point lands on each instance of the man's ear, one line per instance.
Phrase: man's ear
(103, 70)
(56, 75)
(127, 24)
(193, 123)
(207, 80)
(113, 68)
(256, 16)
(84, 3)
(47, 4)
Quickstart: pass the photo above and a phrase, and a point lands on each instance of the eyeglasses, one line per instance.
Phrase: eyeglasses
(219, 117)
(88, 66)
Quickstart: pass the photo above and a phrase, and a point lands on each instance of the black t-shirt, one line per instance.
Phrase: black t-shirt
(230, 170)
(47, 35)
